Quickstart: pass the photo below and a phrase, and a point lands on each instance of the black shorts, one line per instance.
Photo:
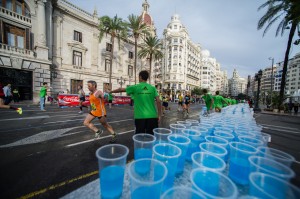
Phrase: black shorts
(180, 103)
(165, 104)
(109, 101)
(145, 125)
(96, 116)
(82, 99)
(186, 103)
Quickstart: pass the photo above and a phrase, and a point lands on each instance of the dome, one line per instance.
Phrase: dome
(205, 53)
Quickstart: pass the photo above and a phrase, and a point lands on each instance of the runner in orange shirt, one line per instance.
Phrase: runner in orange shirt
(98, 110)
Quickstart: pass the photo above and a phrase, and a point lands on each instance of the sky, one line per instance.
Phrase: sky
(227, 28)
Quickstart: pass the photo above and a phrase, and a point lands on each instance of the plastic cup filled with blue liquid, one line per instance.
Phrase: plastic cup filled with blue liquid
(215, 149)
(185, 123)
(209, 161)
(204, 131)
(193, 122)
(169, 155)
(225, 135)
(196, 138)
(177, 128)
(161, 135)
(251, 141)
(269, 166)
(213, 184)
(146, 178)
(183, 143)
(239, 165)
(276, 155)
(267, 186)
(182, 193)
(210, 128)
(143, 144)
(112, 163)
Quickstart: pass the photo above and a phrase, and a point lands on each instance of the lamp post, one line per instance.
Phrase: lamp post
(258, 78)
(121, 81)
(271, 58)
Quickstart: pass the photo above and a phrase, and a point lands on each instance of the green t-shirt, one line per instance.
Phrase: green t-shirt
(227, 100)
(43, 91)
(207, 98)
(110, 96)
(144, 104)
(218, 101)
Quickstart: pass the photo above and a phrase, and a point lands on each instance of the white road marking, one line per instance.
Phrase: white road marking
(279, 127)
(91, 140)
(25, 118)
(282, 130)
(82, 121)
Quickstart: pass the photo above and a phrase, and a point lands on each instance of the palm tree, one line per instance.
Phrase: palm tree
(136, 28)
(151, 49)
(117, 28)
(288, 12)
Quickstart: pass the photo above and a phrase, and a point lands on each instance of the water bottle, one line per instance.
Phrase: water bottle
(204, 112)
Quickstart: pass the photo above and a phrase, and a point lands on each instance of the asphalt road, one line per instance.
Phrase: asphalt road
(49, 154)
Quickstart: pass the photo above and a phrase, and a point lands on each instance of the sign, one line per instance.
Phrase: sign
(73, 100)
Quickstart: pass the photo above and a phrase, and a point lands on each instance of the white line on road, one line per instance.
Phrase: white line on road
(281, 130)
(82, 121)
(283, 127)
(91, 140)
(26, 118)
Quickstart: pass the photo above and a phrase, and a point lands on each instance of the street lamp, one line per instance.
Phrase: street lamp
(271, 58)
(258, 78)
(121, 81)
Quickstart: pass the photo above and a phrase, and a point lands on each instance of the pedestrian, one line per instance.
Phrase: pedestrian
(16, 95)
(43, 93)
(110, 99)
(180, 102)
(99, 111)
(296, 106)
(81, 96)
(209, 101)
(7, 94)
(291, 105)
(218, 102)
(165, 103)
(187, 101)
(146, 115)
(3, 106)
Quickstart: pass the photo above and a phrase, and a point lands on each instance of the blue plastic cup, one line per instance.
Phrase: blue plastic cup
(146, 178)
(270, 187)
(268, 166)
(183, 143)
(276, 155)
(214, 149)
(182, 193)
(219, 141)
(177, 128)
(185, 123)
(161, 135)
(208, 160)
(223, 129)
(193, 122)
(196, 139)
(227, 136)
(143, 144)
(169, 155)
(209, 127)
(213, 184)
(204, 131)
(239, 165)
(112, 163)
(251, 141)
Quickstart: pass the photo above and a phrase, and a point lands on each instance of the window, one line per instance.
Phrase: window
(77, 58)
(130, 55)
(77, 36)
(8, 5)
(107, 65)
(175, 26)
(130, 71)
(108, 47)
(19, 8)
(14, 36)
(175, 40)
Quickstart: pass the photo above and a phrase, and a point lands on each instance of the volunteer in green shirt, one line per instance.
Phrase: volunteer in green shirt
(43, 93)
(218, 102)
(110, 99)
(209, 101)
(145, 95)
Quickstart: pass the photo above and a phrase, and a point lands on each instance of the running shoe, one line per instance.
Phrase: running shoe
(20, 111)
(98, 133)
(113, 138)
(80, 112)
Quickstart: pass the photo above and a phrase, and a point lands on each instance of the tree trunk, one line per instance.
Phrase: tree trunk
(285, 64)
(135, 58)
(150, 62)
(111, 60)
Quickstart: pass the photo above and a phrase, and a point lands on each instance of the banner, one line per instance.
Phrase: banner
(73, 100)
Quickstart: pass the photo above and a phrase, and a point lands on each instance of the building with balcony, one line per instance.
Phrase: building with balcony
(293, 75)
(237, 84)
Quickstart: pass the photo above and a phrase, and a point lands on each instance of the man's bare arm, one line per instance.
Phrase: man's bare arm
(118, 90)
(158, 104)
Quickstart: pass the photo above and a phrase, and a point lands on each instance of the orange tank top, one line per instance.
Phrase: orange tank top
(97, 106)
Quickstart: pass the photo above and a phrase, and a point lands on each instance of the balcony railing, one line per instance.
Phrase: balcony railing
(14, 16)
(15, 50)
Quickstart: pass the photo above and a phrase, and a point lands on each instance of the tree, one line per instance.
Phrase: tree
(136, 28)
(197, 91)
(151, 49)
(117, 29)
(288, 11)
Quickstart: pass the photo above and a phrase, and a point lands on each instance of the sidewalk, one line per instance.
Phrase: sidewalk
(281, 114)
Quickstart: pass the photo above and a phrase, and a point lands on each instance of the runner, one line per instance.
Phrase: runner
(165, 103)
(2, 105)
(209, 101)
(218, 102)
(180, 102)
(145, 113)
(187, 101)
(99, 111)
(81, 96)
(110, 99)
